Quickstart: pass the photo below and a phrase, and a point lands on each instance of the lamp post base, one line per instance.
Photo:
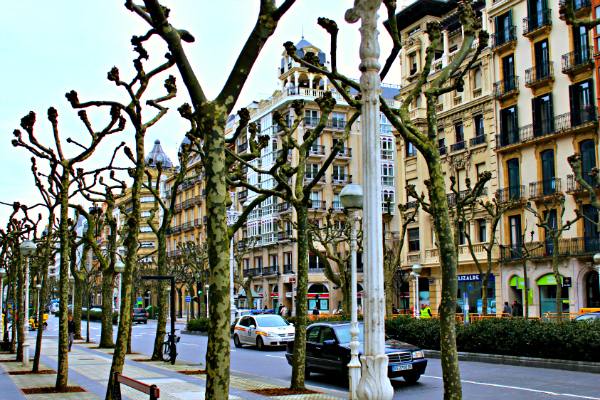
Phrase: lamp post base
(374, 383)
(25, 351)
(353, 378)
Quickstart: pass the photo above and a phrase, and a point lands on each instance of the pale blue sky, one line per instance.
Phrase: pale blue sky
(48, 48)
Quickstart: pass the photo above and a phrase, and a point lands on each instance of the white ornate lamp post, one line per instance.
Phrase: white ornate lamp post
(207, 286)
(27, 250)
(169, 298)
(119, 269)
(374, 383)
(416, 269)
(232, 217)
(352, 198)
(38, 287)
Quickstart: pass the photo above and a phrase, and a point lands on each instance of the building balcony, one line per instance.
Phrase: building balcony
(241, 245)
(578, 61)
(188, 203)
(318, 205)
(538, 23)
(542, 189)
(253, 271)
(512, 192)
(284, 207)
(178, 207)
(452, 198)
(508, 87)
(273, 270)
(197, 222)
(315, 267)
(477, 93)
(539, 75)
(284, 236)
(176, 229)
(316, 150)
(337, 206)
(443, 150)
(418, 113)
(504, 38)
(345, 152)
(580, 7)
(198, 199)
(458, 146)
(187, 225)
(242, 147)
(338, 179)
(288, 269)
(388, 208)
(336, 124)
(242, 195)
(128, 210)
(311, 122)
(570, 247)
(205, 220)
(477, 140)
(310, 177)
(573, 187)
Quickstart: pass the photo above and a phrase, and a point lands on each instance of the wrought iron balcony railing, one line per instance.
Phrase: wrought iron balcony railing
(544, 188)
(537, 20)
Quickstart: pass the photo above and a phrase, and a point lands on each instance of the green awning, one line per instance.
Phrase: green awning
(547, 280)
(513, 282)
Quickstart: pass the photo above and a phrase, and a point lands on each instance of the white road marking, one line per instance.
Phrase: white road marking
(189, 344)
(274, 356)
(521, 388)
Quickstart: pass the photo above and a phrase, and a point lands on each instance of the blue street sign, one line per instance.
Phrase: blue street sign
(431, 282)
(139, 299)
(335, 288)
(188, 299)
(10, 302)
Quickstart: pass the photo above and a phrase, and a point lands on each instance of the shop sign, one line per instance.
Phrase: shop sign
(550, 280)
(431, 282)
(288, 294)
(566, 282)
(473, 278)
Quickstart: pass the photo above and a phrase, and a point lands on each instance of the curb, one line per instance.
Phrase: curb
(197, 333)
(566, 365)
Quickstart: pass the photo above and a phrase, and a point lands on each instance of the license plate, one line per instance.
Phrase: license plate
(402, 367)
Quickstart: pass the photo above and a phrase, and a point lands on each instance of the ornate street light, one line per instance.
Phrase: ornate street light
(27, 250)
(351, 198)
(416, 269)
(119, 269)
(2, 275)
(207, 286)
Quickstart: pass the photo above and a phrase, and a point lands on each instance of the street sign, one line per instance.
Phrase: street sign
(335, 288)
(188, 299)
(139, 300)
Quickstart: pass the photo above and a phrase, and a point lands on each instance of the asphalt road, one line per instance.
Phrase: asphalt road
(480, 380)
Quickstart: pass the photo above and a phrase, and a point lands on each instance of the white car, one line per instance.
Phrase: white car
(263, 330)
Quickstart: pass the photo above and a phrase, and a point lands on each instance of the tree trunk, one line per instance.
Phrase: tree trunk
(557, 277)
(63, 284)
(20, 313)
(180, 303)
(13, 335)
(389, 289)
(41, 302)
(299, 356)
(219, 325)
(77, 304)
(484, 296)
(525, 290)
(448, 261)
(163, 296)
(201, 304)
(106, 332)
(191, 304)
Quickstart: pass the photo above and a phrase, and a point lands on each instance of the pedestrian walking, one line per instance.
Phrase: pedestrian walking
(71, 330)
(316, 311)
(425, 311)
(506, 310)
(516, 310)
(284, 311)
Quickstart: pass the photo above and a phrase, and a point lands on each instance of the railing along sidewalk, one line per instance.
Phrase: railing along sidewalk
(119, 379)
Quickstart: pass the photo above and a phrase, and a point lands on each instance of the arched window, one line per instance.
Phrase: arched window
(418, 102)
(477, 78)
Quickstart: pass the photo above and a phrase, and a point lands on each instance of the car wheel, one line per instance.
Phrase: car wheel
(260, 344)
(306, 372)
(146, 322)
(412, 378)
(236, 341)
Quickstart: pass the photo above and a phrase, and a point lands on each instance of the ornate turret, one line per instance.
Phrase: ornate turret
(158, 155)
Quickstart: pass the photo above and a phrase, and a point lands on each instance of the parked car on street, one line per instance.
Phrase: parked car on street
(239, 313)
(328, 351)
(589, 317)
(263, 330)
(140, 315)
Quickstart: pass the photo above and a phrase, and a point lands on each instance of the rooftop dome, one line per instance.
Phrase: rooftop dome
(158, 155)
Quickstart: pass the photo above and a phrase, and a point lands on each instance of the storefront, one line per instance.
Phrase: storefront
(592, 290)
(472, 286)
(318, 295)
(547, 288)
(275, 297)
(517, 284)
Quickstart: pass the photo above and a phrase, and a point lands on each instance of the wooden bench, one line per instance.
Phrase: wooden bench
(119, 379)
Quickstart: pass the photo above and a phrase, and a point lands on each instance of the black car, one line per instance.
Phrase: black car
(140, 315)
(328, 351)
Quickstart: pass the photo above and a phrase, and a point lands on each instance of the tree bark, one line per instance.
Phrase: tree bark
(63, 283)
(557, 276)
(41, 301)
(161, 323)
(20, 314)
(299, 356)
(106, 332)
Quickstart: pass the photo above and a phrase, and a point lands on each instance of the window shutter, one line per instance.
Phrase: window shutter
(572, 98)
(536, 123)
(550, 122)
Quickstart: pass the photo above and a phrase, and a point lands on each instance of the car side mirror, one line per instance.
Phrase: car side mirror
(252, 327)
(329, 342)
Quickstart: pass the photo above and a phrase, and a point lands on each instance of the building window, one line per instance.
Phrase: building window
(481, 224)
(477, 78)
(515, 230)
(387, 149)
(258, 262)
(147, 244)
(412, 63)
(145, 229)
(478, 121)
(543, 115)
(411, 150)
(387, 175)
(312, 170)
(509, 126)
(145, 214)
(387, 197)
(413, 239)
(462, 239)
(581, 100)
(459, 132)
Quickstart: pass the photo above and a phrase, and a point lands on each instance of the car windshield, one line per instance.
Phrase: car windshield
(343, 333)
(139, 310)
(272, 321)
(585, 317)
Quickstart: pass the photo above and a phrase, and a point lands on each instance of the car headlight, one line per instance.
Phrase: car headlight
(418, 354)
(271, 334)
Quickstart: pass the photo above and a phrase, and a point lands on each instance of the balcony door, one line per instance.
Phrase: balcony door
(581, 45)
(588, 159)
(509, 125)
(581, 97)
(590, 231)
(515, 233)
(543, 115)
(504, 27)
(548, 172)
(537, 13)
(514, 179)
(508, 72)
(542, 59)
(552, 224)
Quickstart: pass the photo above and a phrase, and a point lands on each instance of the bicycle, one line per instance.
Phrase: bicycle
(169, 348)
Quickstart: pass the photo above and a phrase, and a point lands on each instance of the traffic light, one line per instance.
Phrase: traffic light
(199, 291)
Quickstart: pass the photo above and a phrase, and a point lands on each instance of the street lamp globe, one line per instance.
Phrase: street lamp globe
(2, 273)
(207, 286)
(119, 267)
(416, 269)
(412, 275)
(597, 258)
(38, 287)
(351, 197)
(168, 288)
(27, 248)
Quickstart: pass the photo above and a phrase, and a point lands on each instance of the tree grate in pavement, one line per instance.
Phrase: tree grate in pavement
(248, 384)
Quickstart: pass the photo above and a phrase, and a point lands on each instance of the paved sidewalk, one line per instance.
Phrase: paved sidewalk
(89, 368)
